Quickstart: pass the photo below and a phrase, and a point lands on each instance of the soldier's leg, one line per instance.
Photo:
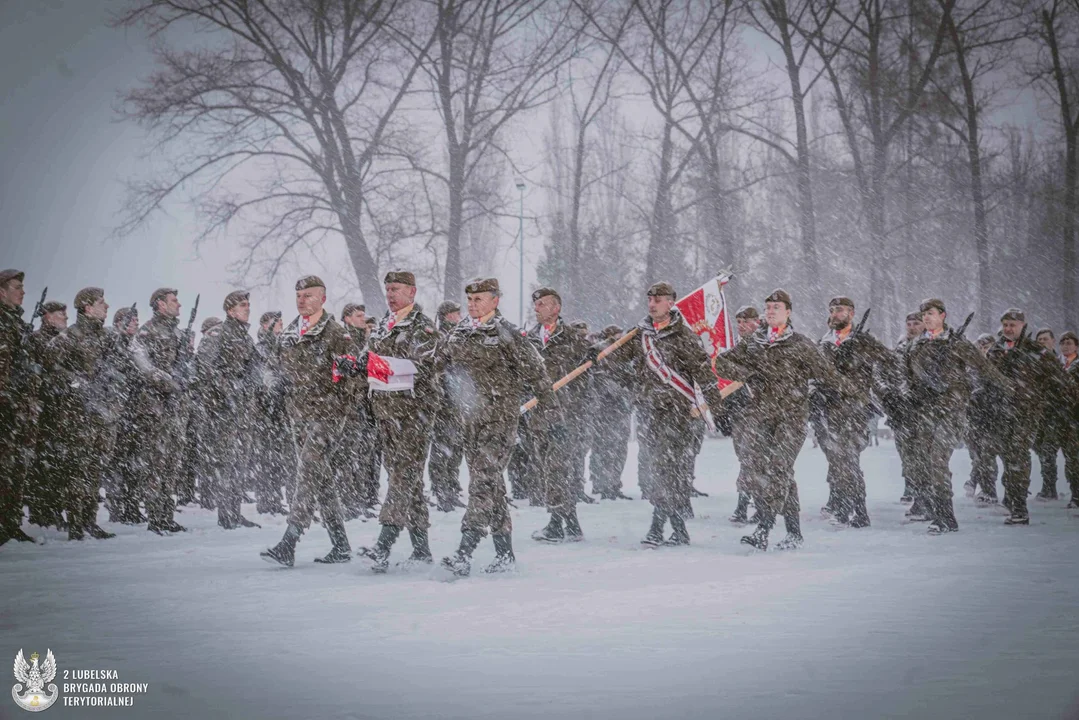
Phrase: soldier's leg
(1046, 448)
(787, 442)
(906, 460)
(839, 494)
(940, 445)
(1017, 466)
(404, 454)
(13, 469)
(1070, 445)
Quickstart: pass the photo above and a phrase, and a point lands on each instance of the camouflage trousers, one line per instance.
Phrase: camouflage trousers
(935, 437)
(1014, 450)
(315, 441)
(81, 464)
(908, 454)
(610, 445)
(487, 447)
(1046, 445)
(404, 451)
(226, 457)
(16, 451)
(355, 457)
(1070, 441)
(983, 462)
(272, 462)
(155, 465)
(666, 459)
(772, 447)
(552, 471)
(446, 457)
(842, 443)
(740, 440)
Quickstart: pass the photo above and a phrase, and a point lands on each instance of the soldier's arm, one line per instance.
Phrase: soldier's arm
(735, 364)
(700, 368)
(822, 370)
(533, 374)
(973, 358)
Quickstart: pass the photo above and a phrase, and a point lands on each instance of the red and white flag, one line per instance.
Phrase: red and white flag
(390, 374)
(705, 311)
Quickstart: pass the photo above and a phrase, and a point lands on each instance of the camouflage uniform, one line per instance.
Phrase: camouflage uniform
(357, 480)
(197, 470)
(273, 455)
(1070, 441)
(447, 453)
(611, 414)
(43, 492)
(19, 386)
(122, 490)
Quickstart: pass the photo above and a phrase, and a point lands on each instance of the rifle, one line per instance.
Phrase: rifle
(841, 353)
(958, 334)
(194, 312)
(183, 372)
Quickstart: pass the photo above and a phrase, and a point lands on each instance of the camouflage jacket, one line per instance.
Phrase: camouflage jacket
(939, 374)
(874, 373)
(313, 393)
(161, 352)
(14, 373)
(226, 362)
(414, 338)
(1036, 378)
(779, 373)
(268, 375)
(563, 352)
(83, 364)
(488, 368)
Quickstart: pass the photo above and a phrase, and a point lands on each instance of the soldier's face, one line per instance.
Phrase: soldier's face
(776, 313)
(1011, 329)
(659, 307)
(358, 319)
(453, 317)
(482, 304)
(547, 309)
(310, 300)
(57, 319)
(132, 325)
(99, 310)
(748, 326)
(241, 311)
(12, 293)
(840, 316)
(1046, 341)
(399, 296)
(914, 328)
(933, 319)
(984, 346)
(169, 306)
(1068, 347)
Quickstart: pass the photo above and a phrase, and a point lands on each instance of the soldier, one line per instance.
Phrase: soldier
(360, 435)
(1051, 428)
(227, 358)
(610, 413)
(18, 390)
(81, 365)
(778, 364)
(664, 363)
(273, 457)
(122, 490)
(902, 434)
(840, 422)
(553, 458)
(938, 364)
(1069, 352)
(43, 491)
(984, 426)
(1036, 381)
(317, 403)
(404, 419)
(444, 464)
(487, 365)
(735, 405)
(162, 352)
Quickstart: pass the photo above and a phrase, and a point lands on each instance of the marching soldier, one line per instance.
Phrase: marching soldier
(444, 465)
(81, 365)
(1051, 428)
(273, 458)
(938, 363)
(1069, 354)
(487, 366)
(317, 403)
(162, 352)
(902, 433)
(1036, 382)
(197, 469)
(357, 484)
(735, 405)
(841, 422)
(122, 490)
(554, 457)
(778, 364)
(664, 365)
(43, 491)
(404, 419)
(984, 427)
(611, 413)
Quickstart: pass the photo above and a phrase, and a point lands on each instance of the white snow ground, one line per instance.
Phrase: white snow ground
(878, 623)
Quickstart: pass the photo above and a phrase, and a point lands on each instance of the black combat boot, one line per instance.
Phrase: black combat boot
(504, 560)
(908, 494)
(460, 563)
(284, 552)
(584, 497)
(421, 550)
(860, 518)
(943, 516)
(918, 512)
(740, 515)
(379, 555)
(341, 551)
(829, 507)
(1074, 502)
(99, 533)
(793, 523)
(679, 533)
(573, 526)
(552, 532)
(654, 538)
(759, 537)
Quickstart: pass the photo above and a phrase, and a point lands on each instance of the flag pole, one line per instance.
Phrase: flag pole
(578, 371)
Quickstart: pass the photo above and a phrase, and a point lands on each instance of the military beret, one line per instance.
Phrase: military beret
(1013, 314)
(986, 338)
(347, 310)
(914, 317)
(400, 276)
(479, 285)
(234, 298)
(270, 316)
(310, 281)
(1069, 336)
(841, 300)
(780, 295)
(544, 292)
(930, 303)
(123, 316)
(53, 306)
(1045, 331)
(579, 325)
(661, 288)
(371, 321)
(610, 332)
(210, 323)
(161, 294)
(87, 296)
(447, 307)
(747, 312)
(9, 275)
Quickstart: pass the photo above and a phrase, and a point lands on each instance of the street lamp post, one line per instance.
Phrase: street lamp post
(521, 250)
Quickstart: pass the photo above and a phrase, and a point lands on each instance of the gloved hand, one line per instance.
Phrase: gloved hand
(350, 366)
(592, 355)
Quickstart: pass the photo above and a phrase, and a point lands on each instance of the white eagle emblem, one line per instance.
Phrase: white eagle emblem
(35, 678)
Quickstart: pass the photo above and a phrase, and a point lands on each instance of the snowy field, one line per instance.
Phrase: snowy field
(878, 623)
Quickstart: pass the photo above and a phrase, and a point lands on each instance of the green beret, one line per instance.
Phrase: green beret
(480, 285)
(53, 306)
(448, 307)
(7, 276)
(1069, 336)
(914, 317)
(270, 316)
(310, 281)
(544, 292)
(124, 315)
(780, 295)
(1013, 314)
(87, 296)
(660, 289)
(403, 277)
(161, 294)
(210, 323)
(747, 312)
(234, 298)
(930, 303)
(842, 301)
(347, 310)
(1045, 331)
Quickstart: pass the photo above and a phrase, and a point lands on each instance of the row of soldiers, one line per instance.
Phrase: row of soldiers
(296, 410)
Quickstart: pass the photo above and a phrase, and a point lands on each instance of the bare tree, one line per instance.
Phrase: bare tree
(278, 116)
